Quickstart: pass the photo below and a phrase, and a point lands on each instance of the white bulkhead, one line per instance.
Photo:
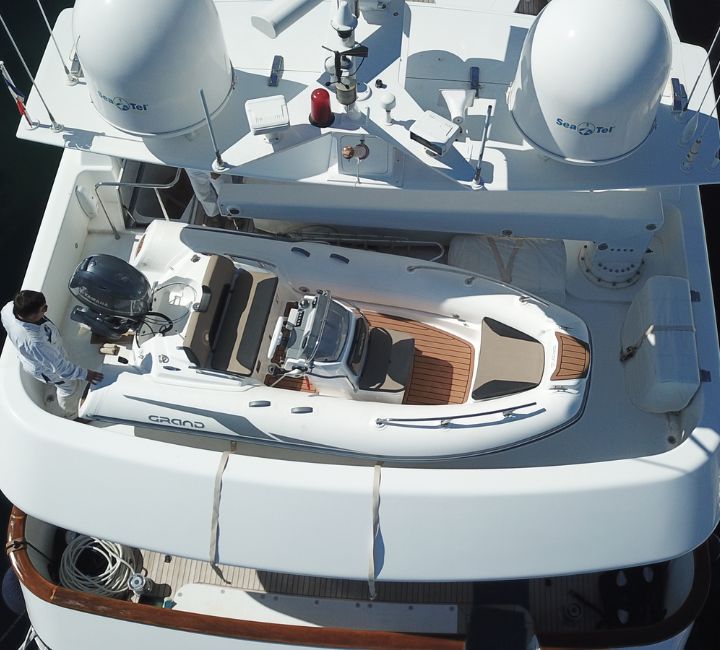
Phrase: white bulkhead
(590, 77)
(145, 62)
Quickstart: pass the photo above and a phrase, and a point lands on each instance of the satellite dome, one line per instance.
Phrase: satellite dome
(145, 62)
(590, 78)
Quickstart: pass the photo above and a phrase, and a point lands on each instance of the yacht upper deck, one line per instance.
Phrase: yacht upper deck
(416, 50)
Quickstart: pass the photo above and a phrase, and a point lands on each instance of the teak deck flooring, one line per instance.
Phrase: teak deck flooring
(443, 364)
(442, 368)
(170, 573)
(547, 599)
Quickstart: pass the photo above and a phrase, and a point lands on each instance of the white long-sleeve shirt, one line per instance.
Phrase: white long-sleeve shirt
(40, 348)
(205, 190)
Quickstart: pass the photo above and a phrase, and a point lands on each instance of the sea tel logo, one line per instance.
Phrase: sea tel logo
(122, 103)
(584, 128)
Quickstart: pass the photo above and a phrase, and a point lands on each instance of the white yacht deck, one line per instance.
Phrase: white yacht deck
(611, 427)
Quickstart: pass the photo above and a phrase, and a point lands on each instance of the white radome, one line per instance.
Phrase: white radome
(145, 62)
(590, 78)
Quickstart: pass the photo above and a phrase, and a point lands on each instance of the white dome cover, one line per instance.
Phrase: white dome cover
(590, 78)
(146, 60)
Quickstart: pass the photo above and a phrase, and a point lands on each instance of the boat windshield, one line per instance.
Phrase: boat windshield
(334, 333)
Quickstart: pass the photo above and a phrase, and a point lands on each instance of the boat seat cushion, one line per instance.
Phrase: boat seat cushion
(216, 284)
(509, 361)
(240, 334)
(389, 361)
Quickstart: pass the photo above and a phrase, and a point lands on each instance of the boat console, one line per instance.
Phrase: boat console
(324, 338)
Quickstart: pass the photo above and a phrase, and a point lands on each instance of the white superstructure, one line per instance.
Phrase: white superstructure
(452, 132)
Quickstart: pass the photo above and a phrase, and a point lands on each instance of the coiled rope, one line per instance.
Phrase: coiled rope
(119, 564)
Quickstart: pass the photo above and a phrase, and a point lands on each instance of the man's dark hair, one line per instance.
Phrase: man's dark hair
(26, 303)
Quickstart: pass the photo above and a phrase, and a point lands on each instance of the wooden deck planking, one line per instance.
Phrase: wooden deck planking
(291, 383)
(172, 576)
(443, 364)
(442, 368)
(573, 358)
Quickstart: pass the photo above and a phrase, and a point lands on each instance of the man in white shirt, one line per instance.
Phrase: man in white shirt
(37, 341)
(205, 188)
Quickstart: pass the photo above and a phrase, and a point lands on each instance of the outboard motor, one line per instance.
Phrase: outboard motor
(116, 297)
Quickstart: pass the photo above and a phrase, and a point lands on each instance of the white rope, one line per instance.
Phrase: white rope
(375, 529)
(215, 518)
(119, 561)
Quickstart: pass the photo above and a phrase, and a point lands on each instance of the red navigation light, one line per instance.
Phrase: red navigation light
(320, 113)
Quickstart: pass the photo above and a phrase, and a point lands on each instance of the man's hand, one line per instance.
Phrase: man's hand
(93, 377)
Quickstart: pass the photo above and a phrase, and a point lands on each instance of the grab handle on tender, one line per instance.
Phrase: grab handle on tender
(276, 336)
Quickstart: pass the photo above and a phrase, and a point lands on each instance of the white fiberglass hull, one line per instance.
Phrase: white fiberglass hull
(161, 386)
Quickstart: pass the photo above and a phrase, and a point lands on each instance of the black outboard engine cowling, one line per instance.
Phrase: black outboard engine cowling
(115, 295)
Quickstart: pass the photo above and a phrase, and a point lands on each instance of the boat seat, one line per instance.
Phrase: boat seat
(509, 361)
(238, 339)
(225, 334)
(203, 323)
(388, 365)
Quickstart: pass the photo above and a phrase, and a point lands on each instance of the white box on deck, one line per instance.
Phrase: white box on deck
(662, 375)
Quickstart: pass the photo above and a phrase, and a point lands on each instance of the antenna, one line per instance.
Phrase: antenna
(218, 164)
(715, 161)
(71, 78)
(707, 58)
(478, 168)
(55, 125)
(17, 96)
(695, 148)
(709, 119)
(692, 125)
(343, 76)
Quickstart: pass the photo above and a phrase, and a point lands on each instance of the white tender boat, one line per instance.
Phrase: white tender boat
(438, 363)
(406, 344)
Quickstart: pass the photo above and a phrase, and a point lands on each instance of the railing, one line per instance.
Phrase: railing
(447, 420)
(145, 186)
(471, 276)
(350, 239)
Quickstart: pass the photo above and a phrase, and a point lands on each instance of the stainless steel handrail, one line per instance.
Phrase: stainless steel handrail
(351, 238)
(446, 420)
(144, 186)
(471, 276)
